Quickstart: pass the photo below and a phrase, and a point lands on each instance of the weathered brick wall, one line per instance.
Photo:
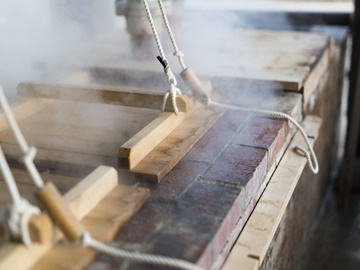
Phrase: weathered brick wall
(287, 250)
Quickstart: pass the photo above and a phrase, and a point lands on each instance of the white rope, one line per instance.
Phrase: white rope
(173, 90)
(29, 152)
(179, 54)
(310, 154)
(88, 241)
(18, 220)
(18, 213)
(9, 179)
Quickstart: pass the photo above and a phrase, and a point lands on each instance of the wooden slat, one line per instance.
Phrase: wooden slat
(124, 95)
(140, 145)
(85, 190)
(319, 69)
(89, 192)
(254, 241)
(103, 222)
(284, 57)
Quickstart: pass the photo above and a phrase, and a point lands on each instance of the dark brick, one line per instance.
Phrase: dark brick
(179, 179)
(231, 121)
(264, 132)
(212, 199)
(181, 246)
(210, 145)
(148, 220)
(238, 165)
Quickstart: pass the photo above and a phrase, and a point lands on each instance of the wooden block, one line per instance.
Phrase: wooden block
(260, 228)
(90, 191)
(41, 229)
(124, 95)
(102, 222)
(140, 145)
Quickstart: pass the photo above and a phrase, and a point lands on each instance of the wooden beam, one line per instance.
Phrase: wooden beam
(123, 95)
(255, 239)
(90, 191)
(10, 252)
(140, 145)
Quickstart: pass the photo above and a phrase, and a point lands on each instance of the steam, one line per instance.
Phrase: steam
(32, 32)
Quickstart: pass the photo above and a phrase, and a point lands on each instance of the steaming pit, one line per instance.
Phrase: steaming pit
(210, 198)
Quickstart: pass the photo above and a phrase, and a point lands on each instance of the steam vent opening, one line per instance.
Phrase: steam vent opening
(179, 134)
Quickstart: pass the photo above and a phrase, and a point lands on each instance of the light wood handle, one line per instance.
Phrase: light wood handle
(194, 83)
(54, 204)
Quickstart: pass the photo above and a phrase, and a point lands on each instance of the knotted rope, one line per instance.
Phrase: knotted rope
(173, 91)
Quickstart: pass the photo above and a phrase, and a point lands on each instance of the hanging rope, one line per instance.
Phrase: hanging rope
(16, 216)
(29, 152)
(179, 54)
(173, 91)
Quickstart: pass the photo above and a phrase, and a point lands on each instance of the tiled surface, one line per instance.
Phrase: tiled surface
(193, 210)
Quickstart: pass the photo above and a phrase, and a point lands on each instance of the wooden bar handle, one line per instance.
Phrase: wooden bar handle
(194, 83)
(54, 204)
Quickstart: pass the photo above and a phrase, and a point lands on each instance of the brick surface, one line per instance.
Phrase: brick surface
(266, 133)
(148, 220)
(238, 165)
(212, 199)
(210, 145)
(231, 121)
(178, 180)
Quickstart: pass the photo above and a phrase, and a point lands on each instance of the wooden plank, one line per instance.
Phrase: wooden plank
(140, 145)
(103, 222)
(88, 189)
(319, 69)
(169, 152)
(124, 95)
(89, 192)
(284, 57)
(23, 109)
(260, 228)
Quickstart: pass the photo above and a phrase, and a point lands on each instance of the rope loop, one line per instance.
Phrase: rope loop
(18, 220)
(172, 92)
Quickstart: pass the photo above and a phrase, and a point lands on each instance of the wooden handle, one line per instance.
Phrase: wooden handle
(54, 204)
(194, 83)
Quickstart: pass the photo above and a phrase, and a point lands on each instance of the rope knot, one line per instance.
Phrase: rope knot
(172, 92)
(179, 54)
(18, 220)
(30, 154)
